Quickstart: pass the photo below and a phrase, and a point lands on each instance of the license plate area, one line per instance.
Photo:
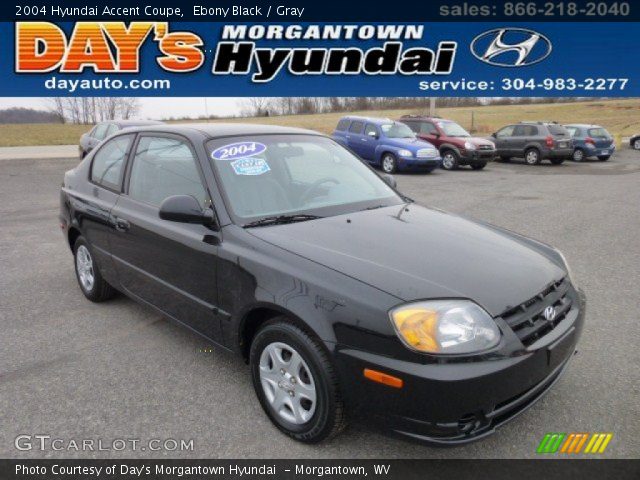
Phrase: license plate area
(561, 349)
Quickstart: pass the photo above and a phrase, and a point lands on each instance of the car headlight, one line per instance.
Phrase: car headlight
(469, 146)
(405, 153)
(445, 326)
(566, 266)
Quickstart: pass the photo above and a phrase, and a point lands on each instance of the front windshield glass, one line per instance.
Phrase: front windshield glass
(272, 175)
(397, 130)
(452, 129)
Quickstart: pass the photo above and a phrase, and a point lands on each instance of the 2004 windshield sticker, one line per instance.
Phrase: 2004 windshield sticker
(234, 151)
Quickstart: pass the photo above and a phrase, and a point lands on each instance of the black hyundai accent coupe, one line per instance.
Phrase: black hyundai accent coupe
(344, 297)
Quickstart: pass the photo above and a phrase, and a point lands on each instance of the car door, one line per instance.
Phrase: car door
(93, 207)
(169, 265)
(369, 141)
(430, 133)
(354, 137)
(504, 140)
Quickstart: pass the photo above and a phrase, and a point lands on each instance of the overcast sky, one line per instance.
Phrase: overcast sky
(152, 108)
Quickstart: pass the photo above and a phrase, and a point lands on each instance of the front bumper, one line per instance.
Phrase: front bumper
(457, 402)
(414, 163)
(470, 157)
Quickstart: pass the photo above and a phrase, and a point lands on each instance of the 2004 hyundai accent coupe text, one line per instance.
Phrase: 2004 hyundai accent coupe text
(344, 297)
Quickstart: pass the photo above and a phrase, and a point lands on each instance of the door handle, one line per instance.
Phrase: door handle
(122, 225)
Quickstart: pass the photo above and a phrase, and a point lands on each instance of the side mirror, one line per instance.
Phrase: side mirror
(389, 180)
(185, 209)
(373, 134)
(494, 135)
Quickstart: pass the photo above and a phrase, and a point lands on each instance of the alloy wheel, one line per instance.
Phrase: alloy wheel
(287, 383)
(84, 265)
(532, 157)
(388, 164)
(448, 161)
(578, 155)
(636, 144)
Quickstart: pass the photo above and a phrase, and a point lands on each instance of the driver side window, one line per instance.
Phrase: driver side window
(506, 132)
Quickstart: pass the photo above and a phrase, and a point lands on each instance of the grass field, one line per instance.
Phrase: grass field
(620, 117)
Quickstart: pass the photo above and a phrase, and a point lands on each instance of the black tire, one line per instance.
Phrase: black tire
(478, 166)
(392, 161)
(635, 144)
(328, 418)
(604, 158)
(557, 161)
(450, 159)
(532, 156)
(504, 159)
(99, 290)
(578, 155)
(429, 169)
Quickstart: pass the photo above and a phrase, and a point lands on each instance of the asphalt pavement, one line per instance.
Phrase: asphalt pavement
(74, 370)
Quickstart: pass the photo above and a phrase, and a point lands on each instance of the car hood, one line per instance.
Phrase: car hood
(477, 141)
(413, 253)
(412, 144)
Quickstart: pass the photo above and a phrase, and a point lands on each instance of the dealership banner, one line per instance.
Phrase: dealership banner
(473, 49)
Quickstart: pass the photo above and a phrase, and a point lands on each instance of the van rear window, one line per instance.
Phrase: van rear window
(558, 130)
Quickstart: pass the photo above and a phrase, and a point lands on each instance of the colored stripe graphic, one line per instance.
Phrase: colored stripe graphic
(573, 443)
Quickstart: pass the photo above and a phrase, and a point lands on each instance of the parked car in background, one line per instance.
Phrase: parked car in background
(457, 147)
(591, 141)
(102, 130)
(385, 143)
(634, 142)
(534, 141)
(343, 296)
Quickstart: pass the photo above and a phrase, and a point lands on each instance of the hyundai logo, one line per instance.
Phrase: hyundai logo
(549, 313)
(511, 47)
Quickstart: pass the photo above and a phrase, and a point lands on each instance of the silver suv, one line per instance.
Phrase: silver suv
(534, 141)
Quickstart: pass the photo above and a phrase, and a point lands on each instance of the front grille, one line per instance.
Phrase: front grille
(485, 147)
(527, 319)
(426, 152)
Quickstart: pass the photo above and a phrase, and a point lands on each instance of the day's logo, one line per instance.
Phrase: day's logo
(511, 47)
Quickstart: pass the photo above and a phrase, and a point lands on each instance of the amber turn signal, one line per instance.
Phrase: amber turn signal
(383, 378)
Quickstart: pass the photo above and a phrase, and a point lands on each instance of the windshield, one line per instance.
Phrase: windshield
(274, 175)
(452, 129)
(397, 130)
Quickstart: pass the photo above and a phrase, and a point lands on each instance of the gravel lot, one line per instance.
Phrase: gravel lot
(73, 370)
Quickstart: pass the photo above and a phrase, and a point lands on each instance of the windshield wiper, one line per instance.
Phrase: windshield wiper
(374, 207)
(281, 219)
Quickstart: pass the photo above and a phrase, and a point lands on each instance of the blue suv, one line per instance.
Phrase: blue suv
(591, 141)
(390, 145)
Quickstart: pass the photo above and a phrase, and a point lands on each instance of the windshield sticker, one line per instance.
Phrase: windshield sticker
(238, 150)
(250, 166)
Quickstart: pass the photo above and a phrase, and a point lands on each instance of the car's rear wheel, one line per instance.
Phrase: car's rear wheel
(478, 166)
(296, 382)
(450, 160)
(636, 144)
(532, 156)
(93, 286)
(578, 155)
(389, 163)
(504, 159)
(604, 158)
(557, 161)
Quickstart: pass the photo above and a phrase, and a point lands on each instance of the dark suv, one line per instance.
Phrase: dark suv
(534, 141)
(457, 147)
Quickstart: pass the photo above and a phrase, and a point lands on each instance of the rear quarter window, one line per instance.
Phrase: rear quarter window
(356, 127)
(108, 162)
(342, 124)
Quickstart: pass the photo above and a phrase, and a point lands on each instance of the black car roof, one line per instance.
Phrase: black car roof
(215, 130)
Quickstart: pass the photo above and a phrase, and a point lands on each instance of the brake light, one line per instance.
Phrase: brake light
(549, 141)
(590, 140)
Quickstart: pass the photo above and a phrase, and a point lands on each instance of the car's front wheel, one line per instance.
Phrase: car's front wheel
(478, 166)
(450, 160)
(557, 161)
(93, 286)
(636, 144)
(532, 156)
(389, 163)
(296, 382)
(578, 155)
